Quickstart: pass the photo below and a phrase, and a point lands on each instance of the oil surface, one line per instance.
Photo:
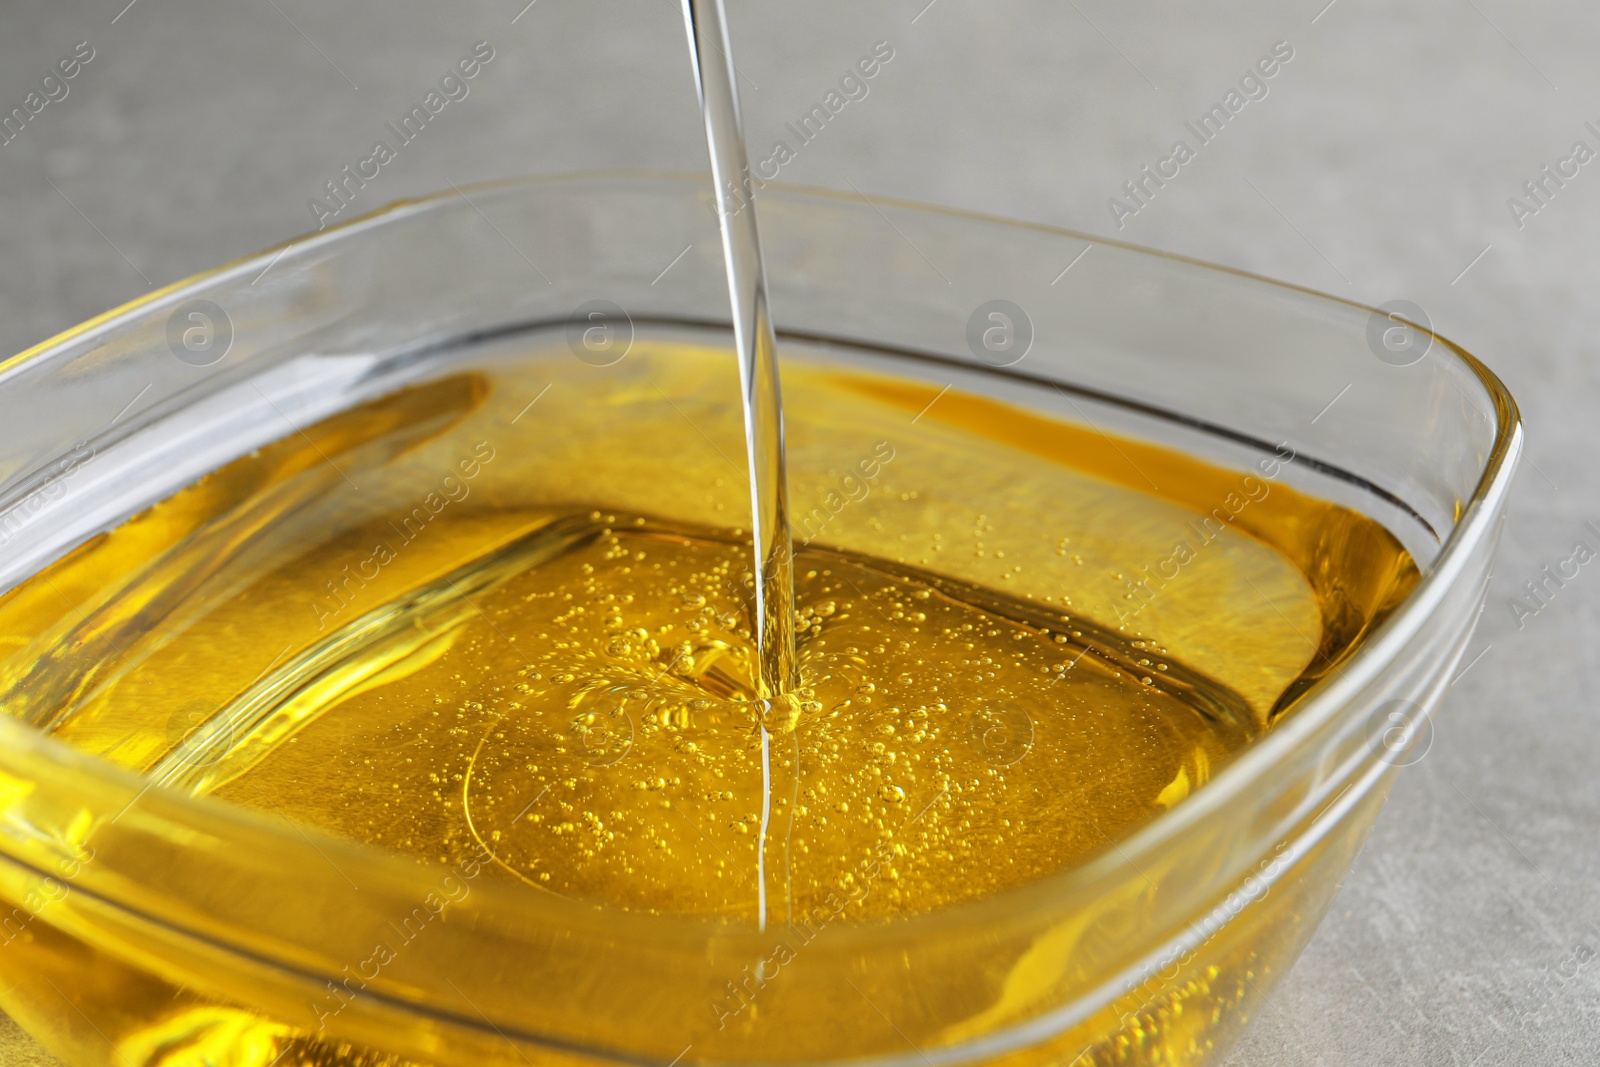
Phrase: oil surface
(510, 610)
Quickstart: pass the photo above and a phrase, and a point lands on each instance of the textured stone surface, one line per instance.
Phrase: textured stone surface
(1377, 168)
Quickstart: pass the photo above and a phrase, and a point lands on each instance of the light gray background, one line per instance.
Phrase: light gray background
(1378, 168)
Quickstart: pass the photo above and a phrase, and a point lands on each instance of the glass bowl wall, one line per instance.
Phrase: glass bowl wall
(212, 922)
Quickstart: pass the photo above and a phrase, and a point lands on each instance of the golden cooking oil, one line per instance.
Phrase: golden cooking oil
(507, 612)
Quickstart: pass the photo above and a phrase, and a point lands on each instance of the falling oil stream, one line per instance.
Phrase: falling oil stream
(773, 621)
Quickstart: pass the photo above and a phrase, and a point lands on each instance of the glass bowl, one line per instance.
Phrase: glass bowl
(148, 926)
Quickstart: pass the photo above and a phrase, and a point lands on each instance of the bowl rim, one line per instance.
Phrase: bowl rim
(1322, 705)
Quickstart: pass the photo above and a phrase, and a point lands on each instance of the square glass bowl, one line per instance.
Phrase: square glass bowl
(145, 926)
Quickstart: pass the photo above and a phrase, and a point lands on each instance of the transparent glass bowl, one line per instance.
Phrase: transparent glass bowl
(146, 926)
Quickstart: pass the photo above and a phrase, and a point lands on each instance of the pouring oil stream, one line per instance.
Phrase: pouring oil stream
(712, 59)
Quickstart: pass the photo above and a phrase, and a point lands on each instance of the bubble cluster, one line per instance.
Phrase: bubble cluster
(592, 721)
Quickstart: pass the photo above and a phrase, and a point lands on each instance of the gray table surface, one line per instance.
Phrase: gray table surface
(1378, 167)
